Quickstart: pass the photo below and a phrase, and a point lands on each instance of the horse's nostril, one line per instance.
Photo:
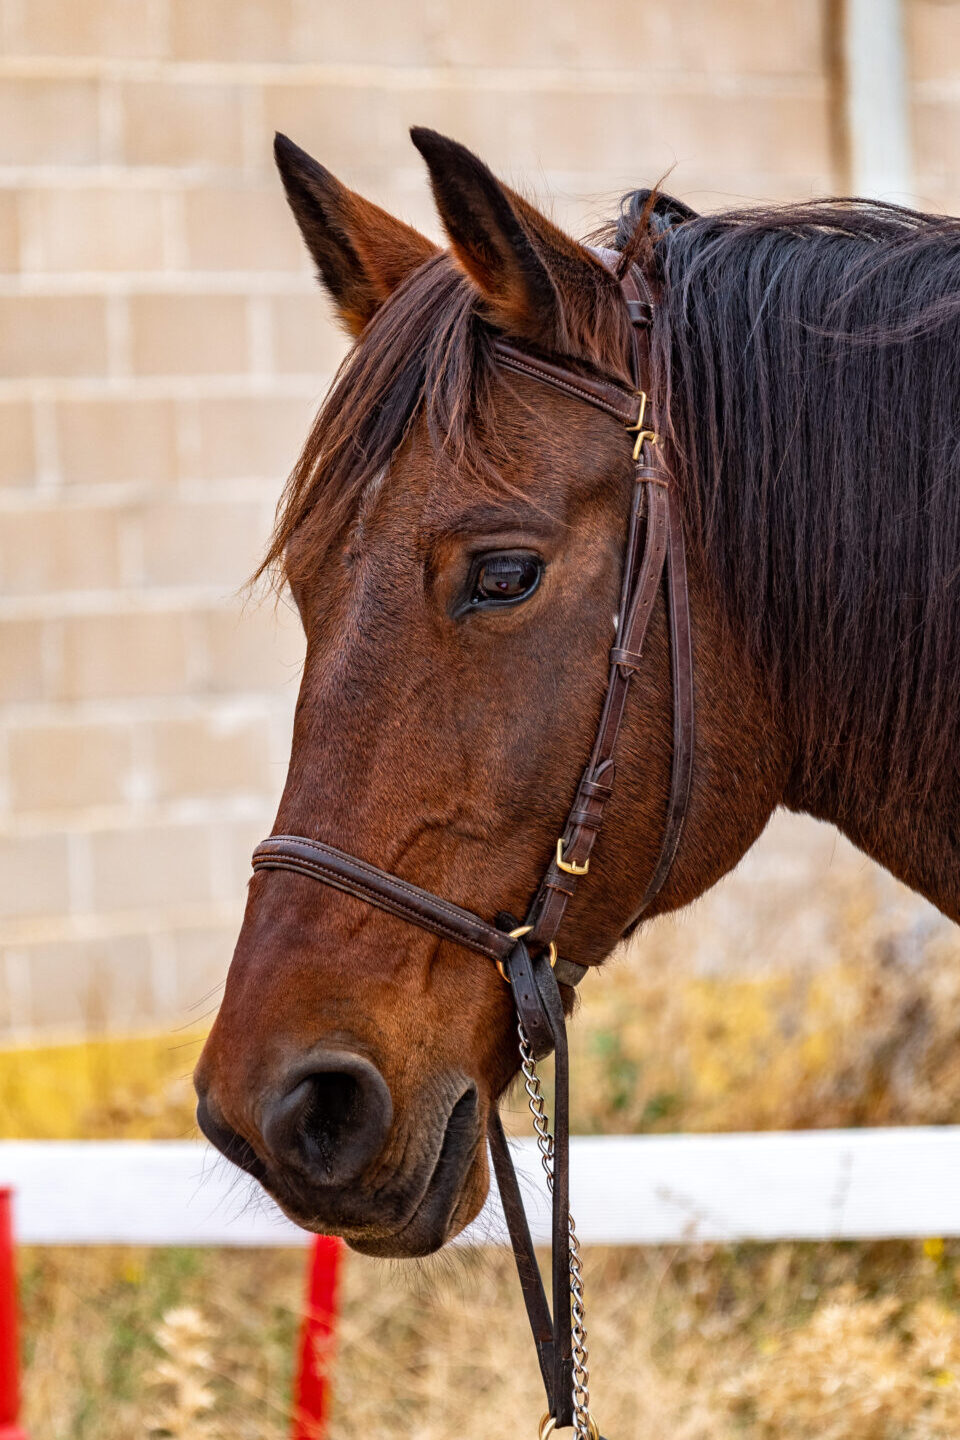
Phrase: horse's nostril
(334, 1103)
(332, 1120)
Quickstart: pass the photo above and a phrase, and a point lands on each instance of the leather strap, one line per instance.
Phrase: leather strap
(398, 897)
(586, 814)
(681, 661)
(640, 587)
(562, 1398)
(606, 395)
(527, 999)
(524, 1254)
(378, 887)
(540, 1010)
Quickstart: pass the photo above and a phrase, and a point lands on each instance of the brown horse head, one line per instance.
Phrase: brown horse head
(453, 538)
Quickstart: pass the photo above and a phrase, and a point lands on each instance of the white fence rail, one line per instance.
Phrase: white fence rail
(625, 1190)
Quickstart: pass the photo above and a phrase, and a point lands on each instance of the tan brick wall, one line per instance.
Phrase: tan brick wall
(933, 42)
(162, 349)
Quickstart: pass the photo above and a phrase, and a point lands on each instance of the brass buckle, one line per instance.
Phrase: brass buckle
(548, 1424)
(638, 429)
(643, 410)
(570, 867)
(642, 437)
(518, 934)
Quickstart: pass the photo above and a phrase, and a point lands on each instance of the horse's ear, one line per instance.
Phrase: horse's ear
(362, 253)
(531, 274)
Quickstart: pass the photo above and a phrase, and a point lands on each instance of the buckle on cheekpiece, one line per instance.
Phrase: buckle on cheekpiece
(637, 428)
(570, 867)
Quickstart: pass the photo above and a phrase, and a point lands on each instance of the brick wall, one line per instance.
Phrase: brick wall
(162, 348)
(933, 48)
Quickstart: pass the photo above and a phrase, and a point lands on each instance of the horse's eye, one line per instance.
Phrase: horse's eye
(505, 578)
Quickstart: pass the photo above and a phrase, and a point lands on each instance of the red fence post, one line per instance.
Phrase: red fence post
(311, 1400)
(9, 1328)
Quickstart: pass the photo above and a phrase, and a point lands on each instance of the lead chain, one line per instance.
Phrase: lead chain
(583, 1425)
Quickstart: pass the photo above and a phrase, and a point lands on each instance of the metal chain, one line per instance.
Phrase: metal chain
(583, 1425)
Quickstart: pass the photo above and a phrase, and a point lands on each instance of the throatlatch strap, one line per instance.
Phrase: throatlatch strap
(681, 663)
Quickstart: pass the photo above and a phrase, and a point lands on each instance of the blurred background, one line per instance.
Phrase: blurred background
(162, 350)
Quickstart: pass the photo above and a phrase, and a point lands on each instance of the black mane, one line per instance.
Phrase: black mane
(809, 359)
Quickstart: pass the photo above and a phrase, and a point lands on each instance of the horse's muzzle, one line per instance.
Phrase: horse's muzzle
(322, 1149)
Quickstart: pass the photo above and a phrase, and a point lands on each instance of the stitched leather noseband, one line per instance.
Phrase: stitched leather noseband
(526, 954)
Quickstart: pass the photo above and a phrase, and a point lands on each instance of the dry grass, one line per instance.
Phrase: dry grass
(795, 1342)
(872, 1038)
(134, 1345)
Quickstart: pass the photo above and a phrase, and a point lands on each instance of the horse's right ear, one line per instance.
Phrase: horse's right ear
(537, 284)
(361, 252)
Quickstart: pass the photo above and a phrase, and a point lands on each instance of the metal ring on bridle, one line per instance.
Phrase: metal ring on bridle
(518, 934)
(548, 1425)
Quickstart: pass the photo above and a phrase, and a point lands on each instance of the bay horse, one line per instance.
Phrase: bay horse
(453, 537)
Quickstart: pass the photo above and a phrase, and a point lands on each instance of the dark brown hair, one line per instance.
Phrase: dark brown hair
(810, 360)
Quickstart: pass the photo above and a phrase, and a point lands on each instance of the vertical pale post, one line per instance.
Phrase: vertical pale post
(877, 100)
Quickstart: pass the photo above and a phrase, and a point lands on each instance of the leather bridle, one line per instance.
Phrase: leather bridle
(526, 954)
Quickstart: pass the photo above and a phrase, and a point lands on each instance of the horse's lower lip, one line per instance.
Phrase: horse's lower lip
(434, 1221)
(434, 1217)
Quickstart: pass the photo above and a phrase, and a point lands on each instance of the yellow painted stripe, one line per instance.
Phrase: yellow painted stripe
(135, 1087)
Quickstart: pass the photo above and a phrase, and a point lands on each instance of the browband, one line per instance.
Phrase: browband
(606, 395)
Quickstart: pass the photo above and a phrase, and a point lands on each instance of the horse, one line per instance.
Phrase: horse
(453, 538)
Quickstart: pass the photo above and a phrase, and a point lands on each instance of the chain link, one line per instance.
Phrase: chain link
(583, 1426)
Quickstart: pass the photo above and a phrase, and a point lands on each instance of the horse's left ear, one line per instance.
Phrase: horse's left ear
(361, 252)
(538, 283)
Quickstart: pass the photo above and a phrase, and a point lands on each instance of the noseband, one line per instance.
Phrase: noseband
(526, 954)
